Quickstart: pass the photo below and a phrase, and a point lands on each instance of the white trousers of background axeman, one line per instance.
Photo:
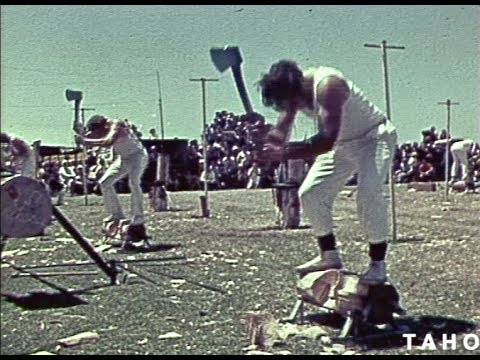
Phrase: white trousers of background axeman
(459, 152)
(133, 166)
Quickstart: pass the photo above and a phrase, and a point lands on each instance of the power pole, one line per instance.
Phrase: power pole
(158, 193)
(384, 48)
(204, 199)
(447, 145)
(84, 168)
(160, 107)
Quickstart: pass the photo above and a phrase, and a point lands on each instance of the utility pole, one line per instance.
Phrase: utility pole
(84, 168)
(204, 199)
(160, 107)
(384, 48)
(158, 193)
(447, 145)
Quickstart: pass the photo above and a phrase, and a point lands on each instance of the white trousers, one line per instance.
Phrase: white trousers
(133, 166)
(459, 152)
(370, 157)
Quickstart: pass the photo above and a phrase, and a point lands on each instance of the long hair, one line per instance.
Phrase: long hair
(5, 138)
(96, 122)
(281, 83)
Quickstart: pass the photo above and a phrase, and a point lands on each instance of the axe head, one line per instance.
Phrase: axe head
(226, 57)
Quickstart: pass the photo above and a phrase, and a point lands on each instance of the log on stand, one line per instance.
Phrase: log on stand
(339, 292)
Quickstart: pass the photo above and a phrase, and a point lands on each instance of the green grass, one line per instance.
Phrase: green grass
(240, 250)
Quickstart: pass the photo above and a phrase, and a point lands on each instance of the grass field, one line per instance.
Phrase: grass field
(239, 250)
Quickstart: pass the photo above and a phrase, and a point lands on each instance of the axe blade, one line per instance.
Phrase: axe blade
(226, 57)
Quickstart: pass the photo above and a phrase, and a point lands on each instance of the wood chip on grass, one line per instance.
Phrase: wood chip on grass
(87, 337)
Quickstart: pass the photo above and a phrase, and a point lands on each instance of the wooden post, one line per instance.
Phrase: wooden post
(204, 199)
(447, 145)
(384, 48)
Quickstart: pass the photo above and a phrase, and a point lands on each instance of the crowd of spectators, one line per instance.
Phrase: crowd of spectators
(231, 143)
(424, 161)
(66, 175)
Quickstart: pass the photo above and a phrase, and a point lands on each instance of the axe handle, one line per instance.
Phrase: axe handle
(242, 90)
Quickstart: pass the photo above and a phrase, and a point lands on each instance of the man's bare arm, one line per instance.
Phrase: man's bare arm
(280, 133)
(332, 93)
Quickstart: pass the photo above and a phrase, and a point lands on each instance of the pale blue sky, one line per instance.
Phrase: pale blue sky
(111, 53)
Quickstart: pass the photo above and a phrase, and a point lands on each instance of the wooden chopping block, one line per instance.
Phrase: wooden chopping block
(348, 295)
(26, 207)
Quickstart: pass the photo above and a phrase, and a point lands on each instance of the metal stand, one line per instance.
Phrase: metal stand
(108, 267)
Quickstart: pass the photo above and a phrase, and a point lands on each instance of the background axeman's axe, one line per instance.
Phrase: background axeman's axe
(230, 57)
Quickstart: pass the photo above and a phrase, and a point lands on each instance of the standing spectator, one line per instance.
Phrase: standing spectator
(253, 176)
(210, 177)
(67, 175)
(91, 159)
(95, 173)
(153, 134)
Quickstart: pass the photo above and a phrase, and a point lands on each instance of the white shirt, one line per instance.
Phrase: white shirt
(359, 115)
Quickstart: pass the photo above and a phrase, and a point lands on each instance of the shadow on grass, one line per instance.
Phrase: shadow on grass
(199, 217)
(152, 246)
(277, 228)
(38, 300)
(391, 336)
(179, 209)
(259, 232)
(41, 299)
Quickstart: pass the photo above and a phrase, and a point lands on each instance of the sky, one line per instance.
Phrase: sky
(111, 53)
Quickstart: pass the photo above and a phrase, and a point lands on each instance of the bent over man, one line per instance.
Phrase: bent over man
(461, 151)
(354, 137)
(130, 160)
(19, 154)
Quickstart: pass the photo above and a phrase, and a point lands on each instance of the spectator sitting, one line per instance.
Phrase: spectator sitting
(426, 171)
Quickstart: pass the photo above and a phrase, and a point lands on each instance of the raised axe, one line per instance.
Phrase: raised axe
(231, 57)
